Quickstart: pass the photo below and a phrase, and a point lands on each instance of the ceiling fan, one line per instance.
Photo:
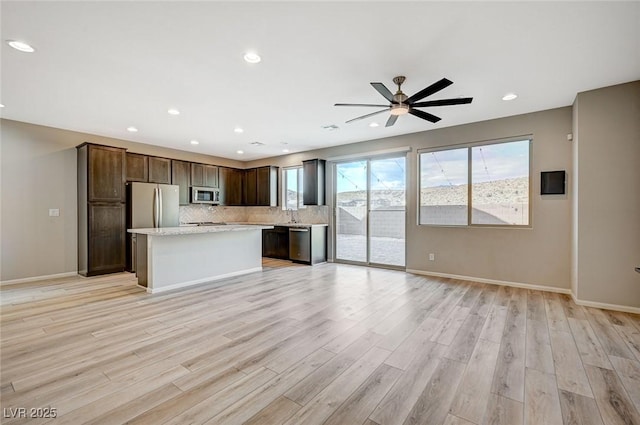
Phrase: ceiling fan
(401, 104)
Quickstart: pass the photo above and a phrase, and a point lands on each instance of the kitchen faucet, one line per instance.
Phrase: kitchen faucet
(291, 216)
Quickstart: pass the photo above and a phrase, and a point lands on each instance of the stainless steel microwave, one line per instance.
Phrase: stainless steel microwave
(205, 195)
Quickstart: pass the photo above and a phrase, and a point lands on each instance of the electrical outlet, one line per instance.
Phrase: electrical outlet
(432, 257)
(54, 212)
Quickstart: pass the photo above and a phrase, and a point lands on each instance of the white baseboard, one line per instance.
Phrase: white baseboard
(203, 280)
(605, 306)
(493, 281)
(37, 278)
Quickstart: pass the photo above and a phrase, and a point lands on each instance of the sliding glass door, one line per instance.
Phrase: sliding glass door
(370, 200)
(351, 211)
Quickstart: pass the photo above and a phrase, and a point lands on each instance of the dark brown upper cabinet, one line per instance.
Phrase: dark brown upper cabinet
(250, 197)
(313, 175)
(137, 167)
(181, 176)
(231, 182)
(267, 186)
(105, 173)
(261, 186)
(204, 175)
(159, 170)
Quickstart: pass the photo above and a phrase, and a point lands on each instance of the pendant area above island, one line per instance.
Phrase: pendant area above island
(175, 257)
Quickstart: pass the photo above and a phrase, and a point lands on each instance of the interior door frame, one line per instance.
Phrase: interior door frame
(334, 187)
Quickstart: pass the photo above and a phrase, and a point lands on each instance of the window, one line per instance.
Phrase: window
(292, 187)
(484, 184)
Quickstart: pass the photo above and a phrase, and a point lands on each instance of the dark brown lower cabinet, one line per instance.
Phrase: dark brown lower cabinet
(105, 239)
(275, 242)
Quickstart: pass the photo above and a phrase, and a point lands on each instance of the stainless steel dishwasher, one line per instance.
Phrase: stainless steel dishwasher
(300, 244)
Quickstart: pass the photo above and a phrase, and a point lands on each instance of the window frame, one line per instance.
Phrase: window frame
(299, 188)
(469, 147)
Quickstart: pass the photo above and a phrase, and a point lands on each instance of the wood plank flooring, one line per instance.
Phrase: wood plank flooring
(329, 344)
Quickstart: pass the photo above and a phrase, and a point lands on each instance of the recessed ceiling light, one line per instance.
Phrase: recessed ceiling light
(1, 105)
(21, 45)
(132, 129)
(374, 124)
(252, 57)
(195, 142)
(509, 96)
(173, 111)
(238, 130)
(240, 152)
(285, 150)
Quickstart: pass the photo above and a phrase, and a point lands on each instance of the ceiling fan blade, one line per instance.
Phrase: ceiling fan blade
(443, 102)
(360, 104)
(391, 121)
(428, 91)
(424, 115)
(384, 91)
(367, 116)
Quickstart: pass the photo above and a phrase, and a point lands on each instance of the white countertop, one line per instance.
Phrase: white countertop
(192, 230)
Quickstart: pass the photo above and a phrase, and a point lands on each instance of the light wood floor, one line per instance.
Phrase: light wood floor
(329, 344)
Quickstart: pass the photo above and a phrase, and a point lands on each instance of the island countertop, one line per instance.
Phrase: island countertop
(191, 230)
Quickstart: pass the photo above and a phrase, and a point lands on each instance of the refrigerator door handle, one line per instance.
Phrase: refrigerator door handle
(160, 209)
(156, 204)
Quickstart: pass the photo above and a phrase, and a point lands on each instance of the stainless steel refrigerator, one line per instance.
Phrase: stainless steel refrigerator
(149, 205)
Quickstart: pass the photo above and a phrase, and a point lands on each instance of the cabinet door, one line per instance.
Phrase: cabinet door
(137, 167)
(159, 170)
(282, 243)
(106, 238)
(197, 174)
(211, 176)
(181, 175)
(250, 187)
(230, 181)
(106, 174)
(313, 174)
(268, 243)
(267, 186)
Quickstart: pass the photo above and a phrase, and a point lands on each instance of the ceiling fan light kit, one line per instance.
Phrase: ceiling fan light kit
(400, 104)
(400, 109)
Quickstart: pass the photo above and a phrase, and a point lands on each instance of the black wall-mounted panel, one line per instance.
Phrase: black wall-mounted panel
(553, 182)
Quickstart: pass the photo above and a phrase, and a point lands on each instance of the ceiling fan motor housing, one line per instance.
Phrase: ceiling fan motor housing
(399, 97)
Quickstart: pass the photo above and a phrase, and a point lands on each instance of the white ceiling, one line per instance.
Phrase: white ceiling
(100, 67)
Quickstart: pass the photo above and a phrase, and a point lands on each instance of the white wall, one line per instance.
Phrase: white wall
(607, 212)
(38, 173)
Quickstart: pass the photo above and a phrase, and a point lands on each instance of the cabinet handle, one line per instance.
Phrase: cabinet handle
(293, 229)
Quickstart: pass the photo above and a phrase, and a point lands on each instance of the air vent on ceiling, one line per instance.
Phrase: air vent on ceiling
(330, 127)
(257, 143)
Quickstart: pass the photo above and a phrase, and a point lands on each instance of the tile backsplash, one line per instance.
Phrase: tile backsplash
(310, 214)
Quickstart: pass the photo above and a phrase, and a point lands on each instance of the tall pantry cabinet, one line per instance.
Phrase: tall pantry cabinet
(101, 209)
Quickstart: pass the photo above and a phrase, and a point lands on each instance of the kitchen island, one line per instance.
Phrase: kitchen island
(175, 257)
